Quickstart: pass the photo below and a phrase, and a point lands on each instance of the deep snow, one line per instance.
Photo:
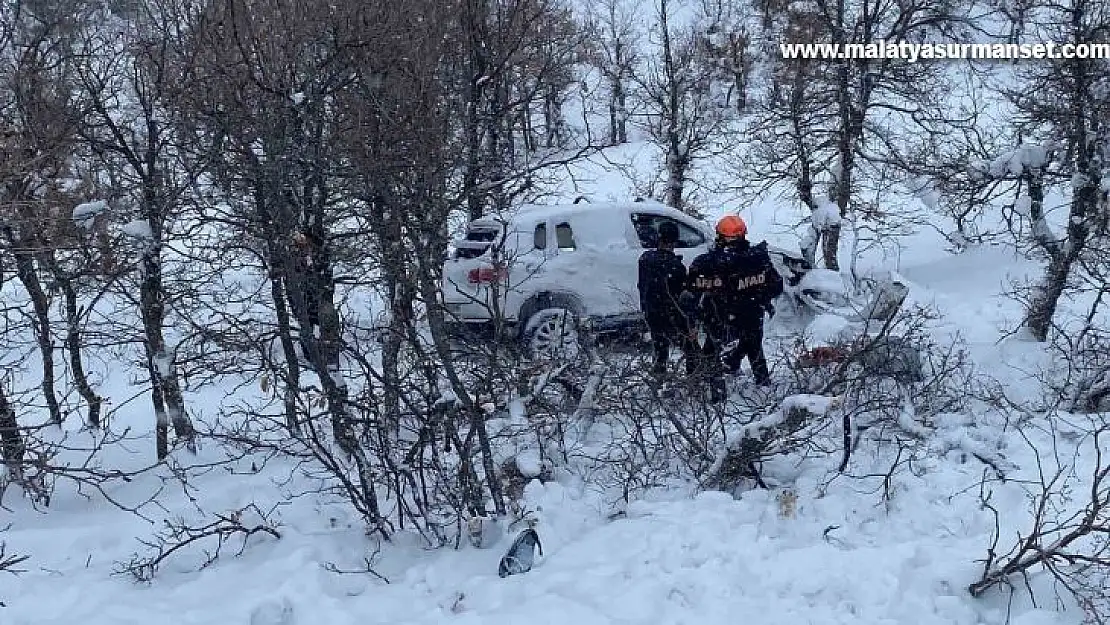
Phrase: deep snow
(810, 550)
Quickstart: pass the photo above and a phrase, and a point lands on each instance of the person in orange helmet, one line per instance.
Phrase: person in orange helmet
(734, 285)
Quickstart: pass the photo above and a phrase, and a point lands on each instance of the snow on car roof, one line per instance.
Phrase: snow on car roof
(549, 211)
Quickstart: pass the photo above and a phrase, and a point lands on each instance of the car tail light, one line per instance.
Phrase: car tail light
(482, 275)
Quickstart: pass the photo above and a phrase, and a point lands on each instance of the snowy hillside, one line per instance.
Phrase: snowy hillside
(871, 546)
(325, 312)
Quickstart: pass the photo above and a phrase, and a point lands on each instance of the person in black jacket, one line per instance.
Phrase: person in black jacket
(735, 284)
(661, 282)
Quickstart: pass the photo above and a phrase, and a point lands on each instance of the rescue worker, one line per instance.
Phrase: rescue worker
(734, 284)
(662, 279)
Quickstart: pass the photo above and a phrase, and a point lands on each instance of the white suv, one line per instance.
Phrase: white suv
(542, 270)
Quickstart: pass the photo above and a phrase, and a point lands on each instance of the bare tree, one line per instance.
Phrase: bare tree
(686, 114)
(36, 143)
(728, 47)
(616, 55)
(1073, 117)
(853, 90)
(126, 89)
(1067, 530)
(788, 126)
(512, 54)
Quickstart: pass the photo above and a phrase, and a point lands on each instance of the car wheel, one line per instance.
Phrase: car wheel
(553, 334)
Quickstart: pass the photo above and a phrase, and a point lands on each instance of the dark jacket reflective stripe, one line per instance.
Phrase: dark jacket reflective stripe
(736, 282)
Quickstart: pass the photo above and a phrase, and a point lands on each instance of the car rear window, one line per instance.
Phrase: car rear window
(485, 234)
(477, 241)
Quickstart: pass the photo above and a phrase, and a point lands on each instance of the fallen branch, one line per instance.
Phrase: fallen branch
(1080, 542)
(176, 536)
(758, 439)
(9, 562)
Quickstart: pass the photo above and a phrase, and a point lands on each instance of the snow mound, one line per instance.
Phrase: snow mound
(826, 215)
(827, 329)
(529, 464)
(823, 281)
(273, 612)
(816, 404)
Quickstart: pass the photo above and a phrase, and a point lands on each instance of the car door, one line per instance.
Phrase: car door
(532, 267)
(587, 245)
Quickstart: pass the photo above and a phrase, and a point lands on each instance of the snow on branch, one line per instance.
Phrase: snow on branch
(139, 229)
(85, 214)
(1016, 162)
(761, 438)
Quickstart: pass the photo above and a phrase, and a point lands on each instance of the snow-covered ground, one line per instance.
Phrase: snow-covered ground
(814, 549)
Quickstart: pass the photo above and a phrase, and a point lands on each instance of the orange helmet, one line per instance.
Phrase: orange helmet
(732, 227)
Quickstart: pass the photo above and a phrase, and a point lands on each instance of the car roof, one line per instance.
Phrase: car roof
(542, 212)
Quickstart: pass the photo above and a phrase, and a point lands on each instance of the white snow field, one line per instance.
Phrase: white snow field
(816, 548)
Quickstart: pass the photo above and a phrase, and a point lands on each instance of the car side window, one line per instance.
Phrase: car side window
(688, 237)
(564, 237)
(539, 237)
(649, 236)
(647, 229)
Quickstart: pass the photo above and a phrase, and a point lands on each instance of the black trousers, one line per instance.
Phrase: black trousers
(670, 329)
(729, 342)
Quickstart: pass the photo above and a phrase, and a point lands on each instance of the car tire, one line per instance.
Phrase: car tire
(553, 334)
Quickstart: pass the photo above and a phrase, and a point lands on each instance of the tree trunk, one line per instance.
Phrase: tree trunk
(292, 384)
(527, 132)
(617, 126)
(553, 117)
(842, 183)
(676, 159)
(676, 180)
(473, 174)
(277, 262)
(1046, 296)
(28, 276)
(799, 136)
(1089, 145)
(618, 103)
(830, 245)
(11, 440)
(74, 347)
(166, 396)
(497, 148)
(738, 46)
(400, 298)
(479, 422)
